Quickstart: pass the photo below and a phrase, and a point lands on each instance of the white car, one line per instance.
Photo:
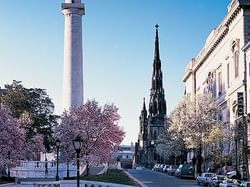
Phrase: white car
(231, 174)
(245, 184)
(205, 178)
(230, 182)
(156, 167)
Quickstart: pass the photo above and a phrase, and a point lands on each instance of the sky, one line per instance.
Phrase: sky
(118, 48)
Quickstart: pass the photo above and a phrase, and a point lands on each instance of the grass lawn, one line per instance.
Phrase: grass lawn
(5, 180)
(113, 176)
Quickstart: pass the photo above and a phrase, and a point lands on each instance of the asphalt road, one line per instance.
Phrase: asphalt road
(156, 179)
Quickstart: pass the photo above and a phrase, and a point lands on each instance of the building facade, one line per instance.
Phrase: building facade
(222, 68)
(123, 157)
(152, 122)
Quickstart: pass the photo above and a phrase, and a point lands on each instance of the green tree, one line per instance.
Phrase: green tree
(35, 103)
(197, 121)
(171, 145)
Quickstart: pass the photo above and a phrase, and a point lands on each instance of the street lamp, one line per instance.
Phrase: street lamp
(152, 153)
(77, 143)
(57, 158)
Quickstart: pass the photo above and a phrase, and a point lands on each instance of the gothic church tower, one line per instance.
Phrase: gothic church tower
(157, 103)
(143, 134)
(152, 123)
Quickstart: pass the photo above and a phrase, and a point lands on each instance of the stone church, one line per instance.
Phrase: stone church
(153, 121)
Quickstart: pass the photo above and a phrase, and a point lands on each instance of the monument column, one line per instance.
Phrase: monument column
(73, 60)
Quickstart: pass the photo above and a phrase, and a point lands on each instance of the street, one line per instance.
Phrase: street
(156, 179)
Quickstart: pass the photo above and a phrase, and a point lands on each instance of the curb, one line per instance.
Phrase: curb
(7, 184)
(136, 180)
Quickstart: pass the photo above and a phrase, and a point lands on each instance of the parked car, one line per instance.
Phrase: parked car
(245, 184)
(172, 169)
(231, 174)
(216, 180)
(185, 170)
(229, 182)
(177, 172)
(160, 168)
(165, 168)
(156, 166)
(204, 178)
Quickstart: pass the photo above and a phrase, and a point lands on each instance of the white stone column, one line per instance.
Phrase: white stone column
(73, 58)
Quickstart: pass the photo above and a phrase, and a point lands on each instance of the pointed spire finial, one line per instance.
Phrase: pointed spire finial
(144, 105)
(157, 53)
(156, 26)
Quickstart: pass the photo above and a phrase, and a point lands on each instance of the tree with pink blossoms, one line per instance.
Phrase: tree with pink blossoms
(34, 145)
(98, 128)
(14, 144)
(12, 138)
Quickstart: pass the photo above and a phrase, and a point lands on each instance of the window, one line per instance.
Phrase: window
(228, 75)
(219, 84)
(235, 52)
(220, 117)
(155, 135)
(249, 69)
(236, 64)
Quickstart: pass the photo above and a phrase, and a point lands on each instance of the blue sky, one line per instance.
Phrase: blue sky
(118, 42)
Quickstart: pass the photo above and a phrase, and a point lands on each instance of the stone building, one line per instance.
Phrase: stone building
(222, 67)
(152, 122)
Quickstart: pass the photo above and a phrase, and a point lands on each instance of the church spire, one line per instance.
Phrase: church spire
(143, 122)
(157, 53)
(157, 105)
(144, 105)
(144, 112)
(157, 61)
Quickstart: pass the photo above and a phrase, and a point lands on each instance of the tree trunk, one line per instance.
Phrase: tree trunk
(199, 160)
(87, 168)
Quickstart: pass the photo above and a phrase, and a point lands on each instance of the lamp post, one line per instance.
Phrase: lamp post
(77, 143)
(57, 158)
(152, 150)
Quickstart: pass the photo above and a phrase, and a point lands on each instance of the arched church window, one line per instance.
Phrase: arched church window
(160, 105)
(155, 107)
